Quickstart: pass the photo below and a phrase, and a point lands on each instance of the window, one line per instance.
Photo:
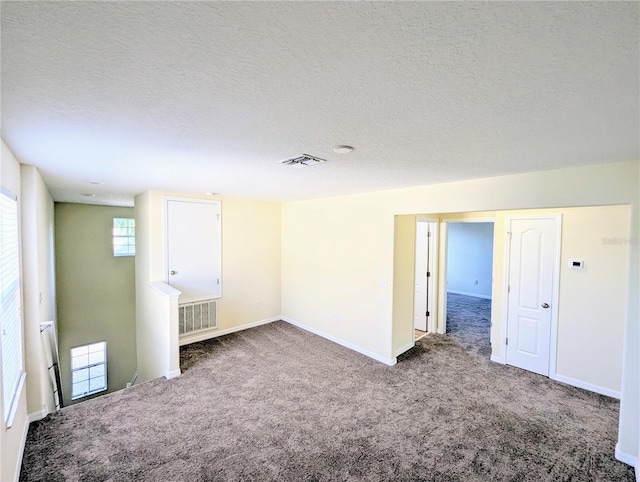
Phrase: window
(88, 369)
(11, 318)
(124, 237)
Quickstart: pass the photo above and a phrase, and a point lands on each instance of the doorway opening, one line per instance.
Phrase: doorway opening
(469, 280)
(532, 250)
(420, 275)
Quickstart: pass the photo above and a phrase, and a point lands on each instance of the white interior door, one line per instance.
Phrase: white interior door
(533, 267)
(193, 248)
(420, 296)
(424, 310)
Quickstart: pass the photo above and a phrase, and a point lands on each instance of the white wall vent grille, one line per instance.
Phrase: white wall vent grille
(197, 317)
(302, 161)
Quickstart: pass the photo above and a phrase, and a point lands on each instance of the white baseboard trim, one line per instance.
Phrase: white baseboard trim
(627, 458)
(408, 346)
(346, 344)
(23, 443)
(497, 359)
(587, 386)
(466, 293)
(215, 333)
(173, 374)
(39, 415)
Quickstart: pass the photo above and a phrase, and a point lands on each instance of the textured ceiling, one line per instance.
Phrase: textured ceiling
(209, 96)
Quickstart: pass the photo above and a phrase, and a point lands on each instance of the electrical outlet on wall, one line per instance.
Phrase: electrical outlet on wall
(337, 318)
(475, 281)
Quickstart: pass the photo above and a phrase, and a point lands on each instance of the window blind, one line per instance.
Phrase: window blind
(11, 333)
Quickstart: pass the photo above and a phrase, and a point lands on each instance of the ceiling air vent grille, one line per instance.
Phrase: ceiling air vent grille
(302, 161)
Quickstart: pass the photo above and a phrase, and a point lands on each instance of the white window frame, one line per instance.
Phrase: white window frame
(77, 370)
(11, 299)
(130, 238)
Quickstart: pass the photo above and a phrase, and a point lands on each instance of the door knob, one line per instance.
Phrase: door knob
(172, 272)
(545, 305)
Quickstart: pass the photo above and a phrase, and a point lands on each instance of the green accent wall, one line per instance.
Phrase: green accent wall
(95, 292)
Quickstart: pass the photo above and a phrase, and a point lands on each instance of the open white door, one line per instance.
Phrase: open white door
(424, 311)
(420, 296)
(532, 292)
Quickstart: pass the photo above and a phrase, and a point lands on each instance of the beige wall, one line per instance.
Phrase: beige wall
(592, 302)
(337, 269)
(12, 439)
(404, 268)
(336, 251)
(39, 286)
(250, 262)
(96, 291)
(250, 272)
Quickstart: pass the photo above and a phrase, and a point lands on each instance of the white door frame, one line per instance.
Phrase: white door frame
(553, 340)
(441, 326)
(442, 279)
(432, 290)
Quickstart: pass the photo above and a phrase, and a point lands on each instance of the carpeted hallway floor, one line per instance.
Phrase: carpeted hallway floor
(276, 403)
(469, 322)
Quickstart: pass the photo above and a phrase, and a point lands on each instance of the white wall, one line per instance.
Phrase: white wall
(470, 259)
(250, 273)
(153, 349)
(39, 286)
(38, 302)
(12, 439)
(628, 447)
(338, 252)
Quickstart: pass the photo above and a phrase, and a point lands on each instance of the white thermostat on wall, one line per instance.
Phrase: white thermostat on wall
(576, 264)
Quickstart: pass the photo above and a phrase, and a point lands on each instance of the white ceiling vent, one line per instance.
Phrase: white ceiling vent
(302, 161)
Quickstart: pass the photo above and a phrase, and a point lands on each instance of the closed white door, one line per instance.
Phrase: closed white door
(533, 267)
(193, 249)
(420, 295)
